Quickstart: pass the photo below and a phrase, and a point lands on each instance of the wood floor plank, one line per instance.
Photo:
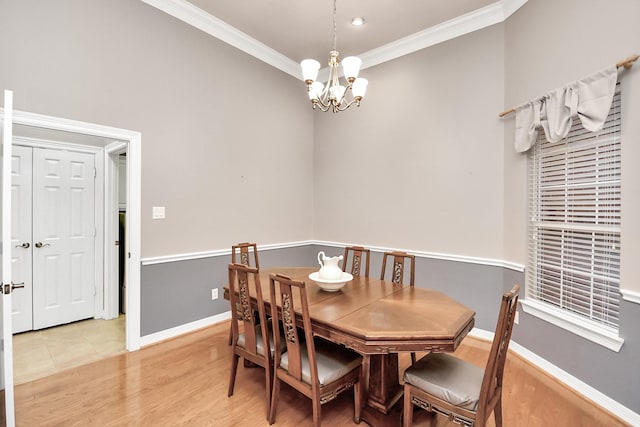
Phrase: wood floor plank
(183, 382)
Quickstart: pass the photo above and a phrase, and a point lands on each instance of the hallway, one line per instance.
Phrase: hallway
(38, 354)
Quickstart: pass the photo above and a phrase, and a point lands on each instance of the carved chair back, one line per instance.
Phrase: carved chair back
(358, 256)
(398, 267)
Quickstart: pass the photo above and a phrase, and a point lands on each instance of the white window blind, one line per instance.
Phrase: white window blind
(574, 223)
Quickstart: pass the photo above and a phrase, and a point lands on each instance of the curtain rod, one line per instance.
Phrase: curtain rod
(626, 63)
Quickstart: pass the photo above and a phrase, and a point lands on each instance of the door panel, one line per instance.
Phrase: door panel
(21, 237)
(64, 237)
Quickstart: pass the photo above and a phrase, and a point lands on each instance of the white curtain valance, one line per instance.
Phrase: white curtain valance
(588, 98)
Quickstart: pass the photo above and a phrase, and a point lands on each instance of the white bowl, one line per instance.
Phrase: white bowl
(331, 285)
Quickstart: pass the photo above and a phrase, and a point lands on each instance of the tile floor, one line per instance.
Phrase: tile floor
(37, 354)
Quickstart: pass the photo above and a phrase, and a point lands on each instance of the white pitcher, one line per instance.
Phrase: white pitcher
(329, 269)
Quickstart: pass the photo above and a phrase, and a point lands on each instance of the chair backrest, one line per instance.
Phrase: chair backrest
(244, 282)
(356, 260)
(289, 294)
(493, 374)
(241, 254)
(397, 274)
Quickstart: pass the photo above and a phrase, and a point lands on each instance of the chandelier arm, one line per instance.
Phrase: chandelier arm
(323, 107)
(346, 105)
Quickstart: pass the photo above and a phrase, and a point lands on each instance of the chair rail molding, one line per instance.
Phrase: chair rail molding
(432, 255)
(631, 296)
(420, 254)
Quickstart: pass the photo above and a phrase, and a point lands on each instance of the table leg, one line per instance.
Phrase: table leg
(384, 391)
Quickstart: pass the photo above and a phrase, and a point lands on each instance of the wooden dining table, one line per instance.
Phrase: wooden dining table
(380, 319)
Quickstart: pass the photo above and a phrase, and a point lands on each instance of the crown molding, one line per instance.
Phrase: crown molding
(198, 18)
(481, 18)
(473, 21)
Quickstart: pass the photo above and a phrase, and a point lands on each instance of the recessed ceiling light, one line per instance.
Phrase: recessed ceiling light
(357, 21)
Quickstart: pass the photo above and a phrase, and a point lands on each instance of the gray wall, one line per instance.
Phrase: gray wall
(549, 43)
(224, 135)
(176, 293)
(419, 165)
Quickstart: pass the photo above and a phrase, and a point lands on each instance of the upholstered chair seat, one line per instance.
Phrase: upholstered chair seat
(464, 393)
(448, 378)
(260, 343)
(333, 361)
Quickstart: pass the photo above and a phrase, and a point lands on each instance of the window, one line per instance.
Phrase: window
(573, 266)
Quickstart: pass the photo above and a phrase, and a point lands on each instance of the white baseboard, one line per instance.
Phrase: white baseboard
(183, 329)
(597, 397)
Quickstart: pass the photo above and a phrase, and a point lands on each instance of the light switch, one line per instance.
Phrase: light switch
(158, 212)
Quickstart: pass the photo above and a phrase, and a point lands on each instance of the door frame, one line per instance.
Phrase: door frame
(133, 141)
(112, 153)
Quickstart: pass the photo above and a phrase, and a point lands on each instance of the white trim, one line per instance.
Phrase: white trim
(597, 397)
(183, 329)
(111, 291)
(133, 226)
(420, 254)
(217, 253)
(631, 296)
(435, 255)
(461, 25)
(478, 19)
(573, 323)
(219, 29)
(54, 145)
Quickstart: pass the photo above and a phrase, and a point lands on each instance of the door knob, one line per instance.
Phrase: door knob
(6, 288)
(41, 245)
(25, 245)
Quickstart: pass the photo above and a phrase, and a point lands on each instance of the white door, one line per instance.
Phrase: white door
(7, 414)
(21, 242)
(63, 237)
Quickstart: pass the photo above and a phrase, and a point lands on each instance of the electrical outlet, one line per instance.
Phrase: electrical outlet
(214, 294)
(516, 320)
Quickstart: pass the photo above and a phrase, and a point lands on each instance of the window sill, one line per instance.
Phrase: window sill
(573, 323)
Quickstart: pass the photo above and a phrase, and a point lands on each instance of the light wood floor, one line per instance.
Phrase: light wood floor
(41, 353)
(184, 381)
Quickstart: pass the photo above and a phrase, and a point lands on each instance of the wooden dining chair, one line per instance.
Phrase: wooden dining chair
(397, 272)
(255, 343)
(397, 275)
(358, 253)
(315, 367)
(453, 387)
(242, 253)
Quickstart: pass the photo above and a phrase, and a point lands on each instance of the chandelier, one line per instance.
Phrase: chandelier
(333, 95)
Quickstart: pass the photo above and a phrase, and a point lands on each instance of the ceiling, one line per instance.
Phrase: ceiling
(283, 32)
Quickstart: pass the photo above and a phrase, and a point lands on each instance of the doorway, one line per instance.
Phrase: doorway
(109, 142)
(54, 235)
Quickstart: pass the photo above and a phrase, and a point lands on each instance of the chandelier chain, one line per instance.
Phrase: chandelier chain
(335, 27)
